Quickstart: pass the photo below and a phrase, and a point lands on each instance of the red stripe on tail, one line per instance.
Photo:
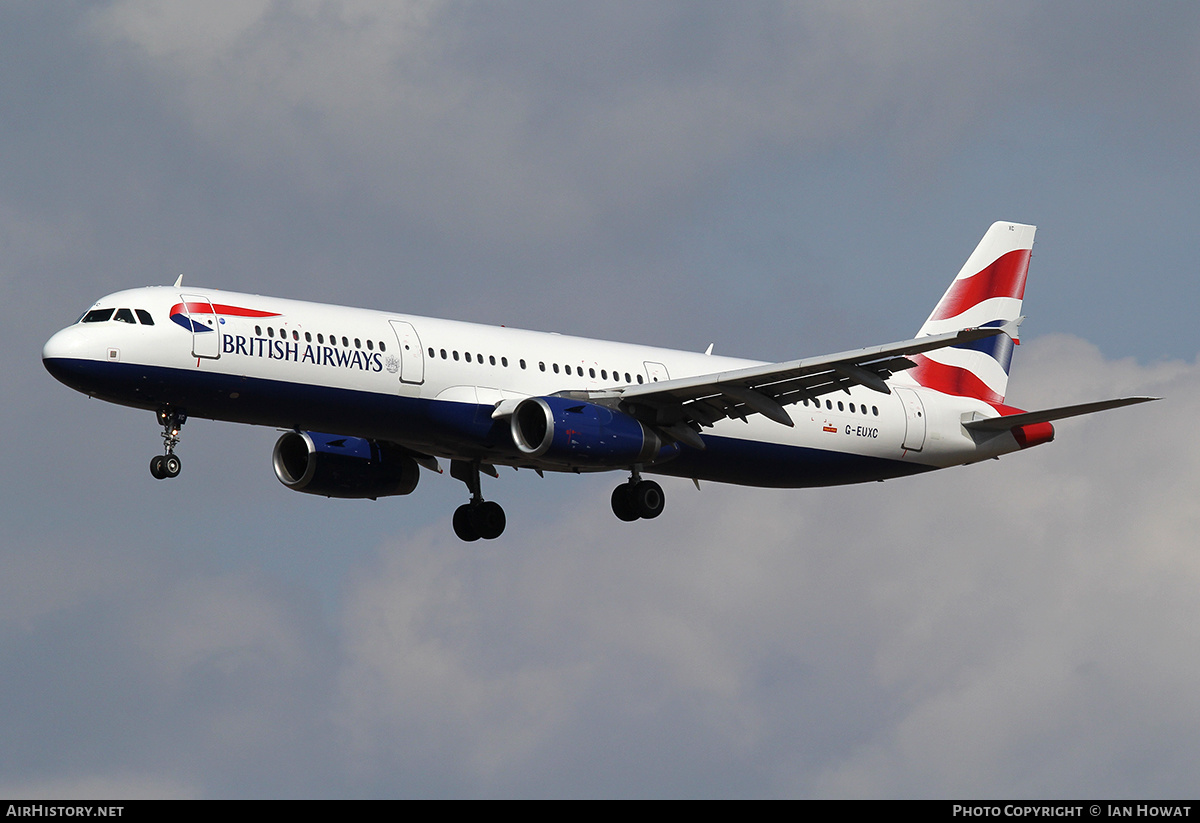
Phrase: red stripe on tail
(951, 380)
(1003, 278)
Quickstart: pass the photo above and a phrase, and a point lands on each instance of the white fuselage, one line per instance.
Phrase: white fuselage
(434, 386)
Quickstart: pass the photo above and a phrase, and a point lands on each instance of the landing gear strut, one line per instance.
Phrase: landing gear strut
(638, 499)
(480, 518)
(167, 465)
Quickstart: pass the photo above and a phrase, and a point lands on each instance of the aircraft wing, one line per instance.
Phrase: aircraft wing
(675, 405)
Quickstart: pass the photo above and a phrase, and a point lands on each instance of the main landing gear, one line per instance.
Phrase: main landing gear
(167, 465)
(480, 518)
(637, 499)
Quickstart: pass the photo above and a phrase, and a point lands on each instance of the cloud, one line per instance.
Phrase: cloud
(542, 122)
(129, 673)
(122, 787)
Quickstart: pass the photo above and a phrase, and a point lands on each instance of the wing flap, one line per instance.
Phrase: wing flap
(705, 399)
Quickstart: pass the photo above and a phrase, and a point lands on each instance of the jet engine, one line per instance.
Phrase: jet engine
(579, 433)
(336, 466)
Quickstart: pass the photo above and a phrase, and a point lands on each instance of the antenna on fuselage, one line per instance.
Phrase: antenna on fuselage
(179, 281)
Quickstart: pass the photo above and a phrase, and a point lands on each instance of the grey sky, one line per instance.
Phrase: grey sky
(781, 179)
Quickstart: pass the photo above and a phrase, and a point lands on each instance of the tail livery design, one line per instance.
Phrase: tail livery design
(987, 292)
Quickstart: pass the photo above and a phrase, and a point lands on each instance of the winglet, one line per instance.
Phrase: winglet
(1012, 328)
(178, 281)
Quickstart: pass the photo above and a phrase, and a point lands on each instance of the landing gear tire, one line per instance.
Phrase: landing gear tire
(488, 519)
(167, 465)
(473, 521)
(647, 498)
(622, 503)
(464, 525)
(639, 499)
(480, 518)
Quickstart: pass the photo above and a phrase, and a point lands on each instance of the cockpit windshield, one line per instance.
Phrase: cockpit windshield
(121, 315)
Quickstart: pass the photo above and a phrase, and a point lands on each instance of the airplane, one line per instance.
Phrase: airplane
(367, 398)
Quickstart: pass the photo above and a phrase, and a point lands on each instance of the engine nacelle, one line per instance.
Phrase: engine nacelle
(579, 433)
(336, 466)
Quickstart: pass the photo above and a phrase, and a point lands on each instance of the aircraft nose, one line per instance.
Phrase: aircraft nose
(63, 353)
(64, 343)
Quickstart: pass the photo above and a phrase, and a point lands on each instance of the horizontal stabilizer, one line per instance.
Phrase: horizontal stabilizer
(1011, 421)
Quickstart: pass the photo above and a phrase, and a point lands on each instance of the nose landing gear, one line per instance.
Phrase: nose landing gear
(167, 465)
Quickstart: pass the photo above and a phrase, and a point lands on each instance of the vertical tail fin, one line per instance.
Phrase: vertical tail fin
(987, 292)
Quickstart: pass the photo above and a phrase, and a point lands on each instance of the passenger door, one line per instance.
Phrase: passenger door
(206, 333)
(412, 356)
(914, 419)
